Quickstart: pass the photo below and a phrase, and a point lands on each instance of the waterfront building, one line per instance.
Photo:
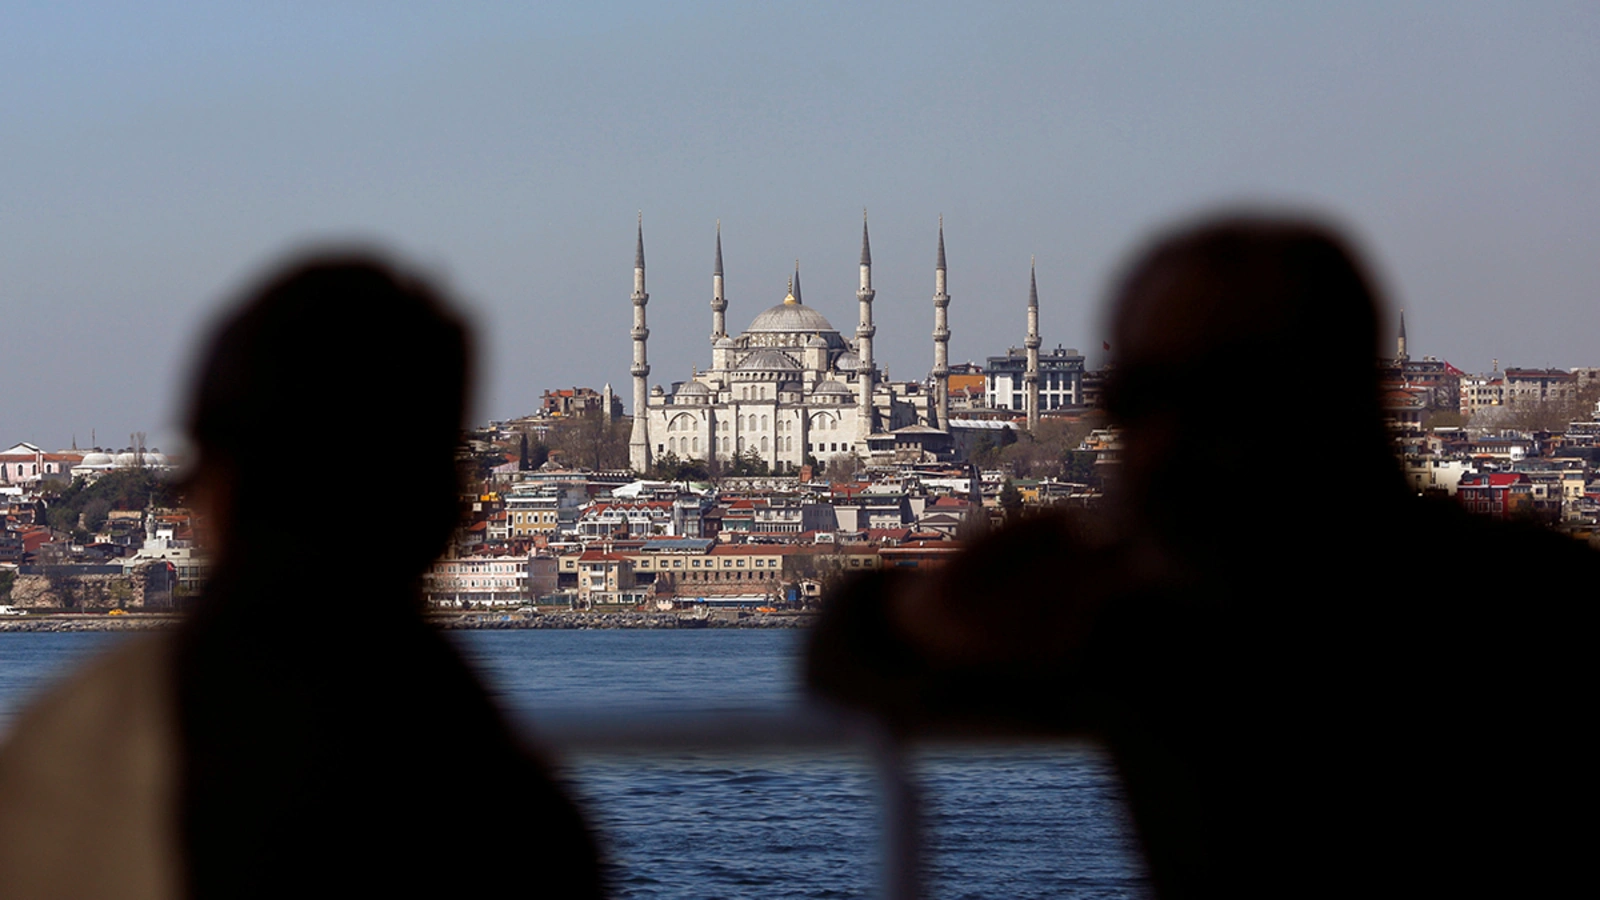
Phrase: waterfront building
(478, 580)
(789, 389)
(1030, 382)
(693, 569)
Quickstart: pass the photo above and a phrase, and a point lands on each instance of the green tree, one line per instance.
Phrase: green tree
(540, 454)
(95, 513)
(1078, 467)
(83, 506)
(673, 468)
(748, 463)
(592, 441)
(1446, 419)
(843, 466)
(1010, 499)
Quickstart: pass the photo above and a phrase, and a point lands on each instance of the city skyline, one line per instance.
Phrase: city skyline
(157, 159)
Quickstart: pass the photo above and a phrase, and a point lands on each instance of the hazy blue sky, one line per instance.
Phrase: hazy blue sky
(153, 156)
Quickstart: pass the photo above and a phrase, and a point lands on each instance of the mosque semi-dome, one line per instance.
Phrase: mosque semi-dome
(765, 360)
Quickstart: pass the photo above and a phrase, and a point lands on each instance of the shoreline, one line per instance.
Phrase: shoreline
(477, 621)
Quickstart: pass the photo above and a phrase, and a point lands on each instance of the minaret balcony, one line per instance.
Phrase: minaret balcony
(640, 334)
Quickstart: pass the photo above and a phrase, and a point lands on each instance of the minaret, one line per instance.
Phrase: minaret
(1400, 349)
(794, 284)
(941, 341)
(639, 442)
(719, 303)
(1030, 378)
(864, 333)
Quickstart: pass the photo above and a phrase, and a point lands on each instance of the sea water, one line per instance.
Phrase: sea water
(1026, 822)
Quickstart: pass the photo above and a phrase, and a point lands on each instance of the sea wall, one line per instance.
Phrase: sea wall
(469, 621)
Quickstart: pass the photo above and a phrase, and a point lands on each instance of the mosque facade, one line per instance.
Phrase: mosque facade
(790, 388)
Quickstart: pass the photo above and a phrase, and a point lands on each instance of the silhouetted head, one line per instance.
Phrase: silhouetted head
(1236, 340)
(328, 405)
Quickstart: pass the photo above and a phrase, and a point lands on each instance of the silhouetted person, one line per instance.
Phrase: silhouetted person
(306, 731)
(1312, 681)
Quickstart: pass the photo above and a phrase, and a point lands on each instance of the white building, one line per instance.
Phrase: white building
(791, 386)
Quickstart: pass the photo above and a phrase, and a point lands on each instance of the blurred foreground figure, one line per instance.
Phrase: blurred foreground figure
(305, 732)
(1313, 682)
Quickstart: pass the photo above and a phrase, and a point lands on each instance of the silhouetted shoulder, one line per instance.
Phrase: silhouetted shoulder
(94, 764)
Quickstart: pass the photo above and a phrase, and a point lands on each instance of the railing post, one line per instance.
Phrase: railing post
(901, 826)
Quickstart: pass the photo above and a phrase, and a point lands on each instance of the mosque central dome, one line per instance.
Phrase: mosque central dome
(790, 317)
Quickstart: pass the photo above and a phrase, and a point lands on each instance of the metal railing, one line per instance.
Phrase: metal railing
(811, 727)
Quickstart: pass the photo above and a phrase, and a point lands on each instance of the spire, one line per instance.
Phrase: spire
(866, 244)
(719, 303)
(796, 289)
(1400, 345)
(639, 440)
(638, 253)
(939, 407)
(1030, 376)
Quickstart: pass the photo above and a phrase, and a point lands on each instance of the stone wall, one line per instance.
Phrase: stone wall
(147, 587)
